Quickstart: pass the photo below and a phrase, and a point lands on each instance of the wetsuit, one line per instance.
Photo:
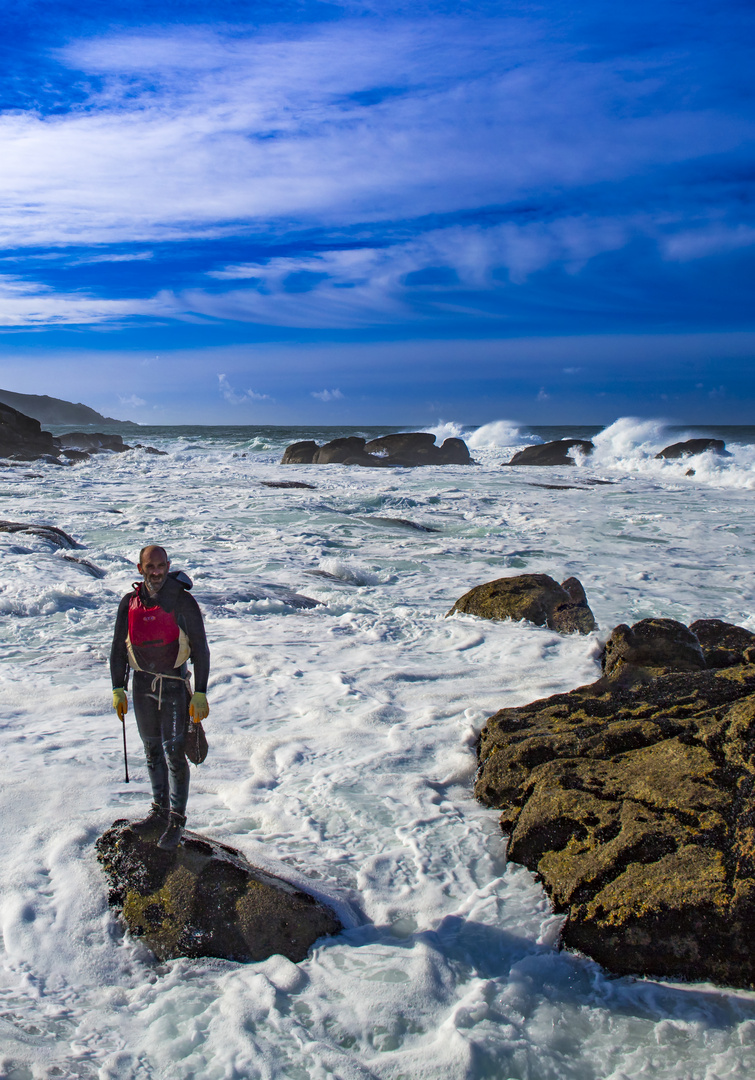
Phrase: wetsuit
(155, 628)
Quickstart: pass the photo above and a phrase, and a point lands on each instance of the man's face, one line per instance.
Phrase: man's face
(154, 568)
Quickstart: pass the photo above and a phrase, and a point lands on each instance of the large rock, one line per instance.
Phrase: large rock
(407, 449)
(636, 808)
(205, 899)
(338, 451)
(537, 598)
(724, 644)
(694, 446)
(21, 436)
(300, 453)
(551, 453)
(650, 648)
(94, 441)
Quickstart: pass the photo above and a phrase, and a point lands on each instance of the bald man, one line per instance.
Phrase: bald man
(159, 627)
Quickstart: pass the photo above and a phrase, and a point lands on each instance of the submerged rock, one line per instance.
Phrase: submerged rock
(694, 446)
(551, 453)
(46, 532)
(636, 807)
(537, 598)
(205, 899)
(407, 449)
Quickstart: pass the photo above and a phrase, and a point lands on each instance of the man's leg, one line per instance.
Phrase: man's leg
(149, 727)
(174, 718)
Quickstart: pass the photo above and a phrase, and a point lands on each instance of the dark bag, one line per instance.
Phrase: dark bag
(195, 747)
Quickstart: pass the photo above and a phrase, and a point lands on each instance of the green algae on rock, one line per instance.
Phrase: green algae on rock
(634, 802)
(536, 598)
(205, 899)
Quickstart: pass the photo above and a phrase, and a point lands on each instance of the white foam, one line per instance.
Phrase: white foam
(341, 750)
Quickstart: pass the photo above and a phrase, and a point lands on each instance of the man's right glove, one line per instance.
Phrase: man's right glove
(120, 703)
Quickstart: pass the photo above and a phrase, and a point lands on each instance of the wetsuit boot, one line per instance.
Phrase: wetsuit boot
(171, 838)
(154, 823)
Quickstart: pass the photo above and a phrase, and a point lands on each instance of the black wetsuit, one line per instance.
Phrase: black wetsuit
(162, 712)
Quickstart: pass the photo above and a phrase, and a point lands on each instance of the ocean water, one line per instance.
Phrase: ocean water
(342, 742)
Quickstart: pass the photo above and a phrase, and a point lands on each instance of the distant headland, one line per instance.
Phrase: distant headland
(50, 410)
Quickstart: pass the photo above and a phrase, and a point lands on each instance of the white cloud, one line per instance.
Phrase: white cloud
(543, 395)
(705, 240)
(29, 303)
(235, 398)
(132, 400)
(135, 256)
(327, 395)
(193, 132)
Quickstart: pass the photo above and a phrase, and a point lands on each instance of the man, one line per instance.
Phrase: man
(159, 626)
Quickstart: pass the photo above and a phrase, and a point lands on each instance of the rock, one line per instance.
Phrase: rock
(300, 453)
(287, 484)
(148, 449)
(205, 899)
(338, 450)
(650, 648)
(724, 644)
(85, 564)
(636, 807)
(46, 532)
(405, 443)
(551, 453)
(407, 449)
(403, 522)
(692, 447)
(75, 455)
(21, 436)
(537, 598)
(94, 442)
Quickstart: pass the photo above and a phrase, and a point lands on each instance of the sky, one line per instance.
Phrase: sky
(357, 212)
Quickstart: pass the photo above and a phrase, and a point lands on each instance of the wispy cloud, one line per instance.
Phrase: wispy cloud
(30, 303)
(190, 133)
(235, 398)
(327, 395)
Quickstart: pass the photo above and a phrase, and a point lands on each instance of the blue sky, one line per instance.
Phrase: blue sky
(380, 213)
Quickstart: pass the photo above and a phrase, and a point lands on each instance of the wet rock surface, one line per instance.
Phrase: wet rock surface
(408, 450)
(205, 899)
(635, 805)
(552, 453)
(47, 532)
(694, 446)
(537, 598)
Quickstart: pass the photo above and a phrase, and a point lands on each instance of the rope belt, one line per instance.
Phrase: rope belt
(157, 683)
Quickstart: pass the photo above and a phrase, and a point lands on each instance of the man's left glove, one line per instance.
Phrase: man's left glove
(199, 710)
(120, 703)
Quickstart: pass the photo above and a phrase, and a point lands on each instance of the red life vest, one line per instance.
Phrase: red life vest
(153, 636)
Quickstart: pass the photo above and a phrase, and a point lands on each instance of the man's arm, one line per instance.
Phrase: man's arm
(118, 654)
(200, 652)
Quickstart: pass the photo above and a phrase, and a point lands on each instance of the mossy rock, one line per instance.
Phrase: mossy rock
(635, 805)
(536, 598)
(205, 899)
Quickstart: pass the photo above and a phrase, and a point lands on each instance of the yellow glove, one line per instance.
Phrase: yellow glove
(199, 710)
(120, 703)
